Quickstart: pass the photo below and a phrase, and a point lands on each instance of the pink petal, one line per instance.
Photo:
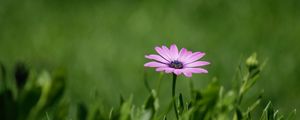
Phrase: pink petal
(181, 54)
(193, 57)
(157, 58)
(160, 69)
(173, 51)
(166, 69)
(185, 56)
(197, 64)
(187, 73)
(178, 71)
(155, 64)
(162, 53)
(167, 52)
(196, 70)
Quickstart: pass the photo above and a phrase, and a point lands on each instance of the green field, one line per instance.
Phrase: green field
(102, 43)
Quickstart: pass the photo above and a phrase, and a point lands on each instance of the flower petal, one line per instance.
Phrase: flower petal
(181, 54)
(187, 73)
(162, 53)
(166, 69)
(196, 70)
(167, 52)
(155, 64)
(157, 58)
(185, 56)
(178, 71)
(197, 64)
(160, 69)
(173, 52)
(193, 57)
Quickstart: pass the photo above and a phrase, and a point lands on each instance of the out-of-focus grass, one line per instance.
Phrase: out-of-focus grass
(40, 95)
(102, 43)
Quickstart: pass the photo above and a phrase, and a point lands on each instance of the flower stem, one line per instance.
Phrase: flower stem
(173, 94)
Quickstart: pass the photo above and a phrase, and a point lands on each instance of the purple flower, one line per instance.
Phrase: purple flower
(177, 62)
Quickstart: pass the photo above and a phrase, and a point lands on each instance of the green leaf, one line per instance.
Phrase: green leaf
(181, 104)
(52, 91)
(151, 105)
(253, 106)
(268, 112)
(29, 96)
(126, 109)
(112, 116)
(292, 115)
(27, 100)
(238, 114)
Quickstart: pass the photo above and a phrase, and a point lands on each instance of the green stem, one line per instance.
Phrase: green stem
(173, 94)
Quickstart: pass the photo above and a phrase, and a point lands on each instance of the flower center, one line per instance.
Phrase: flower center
(176, 64)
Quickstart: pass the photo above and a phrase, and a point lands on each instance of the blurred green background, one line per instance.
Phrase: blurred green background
(102, 43)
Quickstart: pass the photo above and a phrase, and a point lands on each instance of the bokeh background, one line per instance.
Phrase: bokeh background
(102, 43)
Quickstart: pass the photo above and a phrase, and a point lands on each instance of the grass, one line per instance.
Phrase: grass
(34, 93)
